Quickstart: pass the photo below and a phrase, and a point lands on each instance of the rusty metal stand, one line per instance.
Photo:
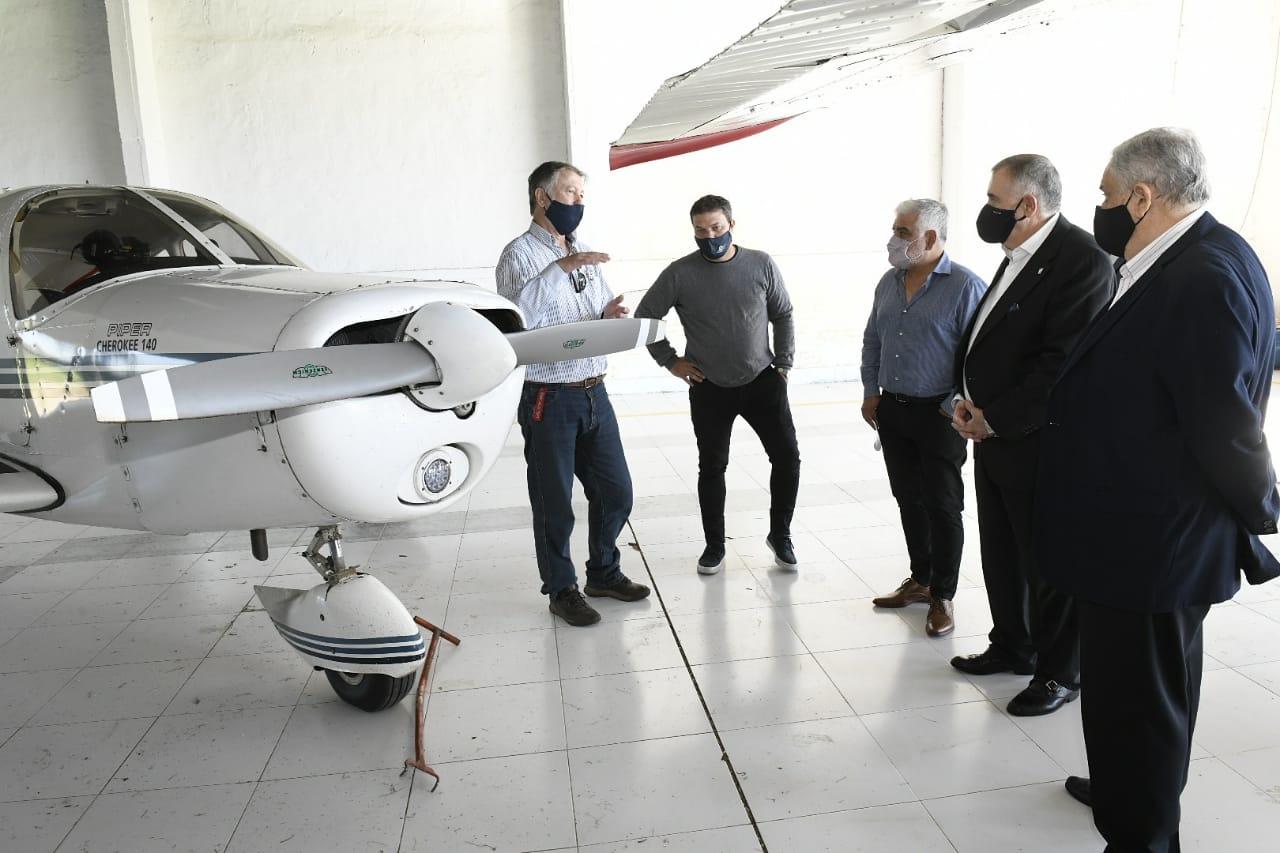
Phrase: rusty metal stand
(419, 760)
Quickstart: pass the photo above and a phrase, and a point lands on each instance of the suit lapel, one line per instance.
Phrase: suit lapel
(1031, 275)
(1107, 320)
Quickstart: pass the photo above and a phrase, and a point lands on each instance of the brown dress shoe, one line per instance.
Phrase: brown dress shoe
(941, 618)
(909, 593)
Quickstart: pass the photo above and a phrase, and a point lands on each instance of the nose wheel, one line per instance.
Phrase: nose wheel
(370, 691)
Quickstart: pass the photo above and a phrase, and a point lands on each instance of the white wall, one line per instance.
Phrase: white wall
(56, 97)
(1075, 90)
(817, 193)
(364, 134)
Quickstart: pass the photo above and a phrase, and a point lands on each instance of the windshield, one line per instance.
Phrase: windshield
(68, 240)
(234, 238)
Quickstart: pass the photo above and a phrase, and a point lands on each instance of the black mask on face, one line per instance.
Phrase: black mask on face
(1113, 227)
(995, 224)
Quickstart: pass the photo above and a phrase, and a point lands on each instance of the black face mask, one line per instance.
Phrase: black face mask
(565, 217)
(1113, 227)
(995, 224)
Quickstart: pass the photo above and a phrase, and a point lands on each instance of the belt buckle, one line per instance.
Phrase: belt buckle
(902, 399)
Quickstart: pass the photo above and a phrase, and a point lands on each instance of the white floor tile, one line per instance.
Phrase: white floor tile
(251, 632)
(493, 660)
(346, 811)
(1239, 636)
(517, 803)
(959, 749)
(203, 598)
(735, 839)
(22, 694)
(182, 820)
(695, 593)
(52, 577)
(632, 706)
(496, 612)
(1259, 766)
(724, 635)
(20, 610)
(38, 826)
(768, 691)
(242, 681)
(177, 638)
(498, 574)
(816, 582)
(132, 571)
(653, 787)
(1042, 817)
(607, 648)
(42, 647)
(800, 769)
(1222, 811)
(334, 737)
(202, 749)
(116, 604)
(116, 692)
(1060, 735)
(855, 624)
(224, 566)
(905, 827)
(65, 761)
(495, 721)
(1230, 708)
(896, 678)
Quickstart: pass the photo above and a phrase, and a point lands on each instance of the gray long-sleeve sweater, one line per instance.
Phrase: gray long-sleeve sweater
(726, 309)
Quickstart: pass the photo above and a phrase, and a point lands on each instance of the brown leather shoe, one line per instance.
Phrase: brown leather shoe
(941, 618)
(909, 593)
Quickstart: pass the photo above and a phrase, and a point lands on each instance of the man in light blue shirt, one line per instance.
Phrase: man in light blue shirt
(922, 307)
(566, 418)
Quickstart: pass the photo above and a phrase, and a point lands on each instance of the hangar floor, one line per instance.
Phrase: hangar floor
(146, 703)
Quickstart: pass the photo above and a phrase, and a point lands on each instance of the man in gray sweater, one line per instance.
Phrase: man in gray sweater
(726, 296)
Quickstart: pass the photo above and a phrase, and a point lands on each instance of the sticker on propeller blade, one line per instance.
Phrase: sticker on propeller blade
(574, 344)
(311, 371)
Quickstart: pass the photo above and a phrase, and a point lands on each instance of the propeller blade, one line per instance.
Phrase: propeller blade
(263, 381)
(584, 340)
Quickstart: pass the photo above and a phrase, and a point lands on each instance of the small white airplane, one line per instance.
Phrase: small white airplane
(170, 369)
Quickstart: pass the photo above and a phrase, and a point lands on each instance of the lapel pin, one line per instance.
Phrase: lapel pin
(1040, 271)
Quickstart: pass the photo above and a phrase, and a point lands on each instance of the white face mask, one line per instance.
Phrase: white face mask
(900, 253)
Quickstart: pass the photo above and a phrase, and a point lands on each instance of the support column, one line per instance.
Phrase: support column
(137, 102)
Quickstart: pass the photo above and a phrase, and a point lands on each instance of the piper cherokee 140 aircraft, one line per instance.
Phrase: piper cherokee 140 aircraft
(169, 369)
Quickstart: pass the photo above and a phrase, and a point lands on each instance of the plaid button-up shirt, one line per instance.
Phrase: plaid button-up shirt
(529, 276)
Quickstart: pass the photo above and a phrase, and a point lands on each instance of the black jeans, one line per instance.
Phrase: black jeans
(924, 455)
(568, 432)
(763, 404)
(1138, 701)
(1033, 623)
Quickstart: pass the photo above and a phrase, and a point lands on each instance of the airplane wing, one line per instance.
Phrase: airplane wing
(809, 55)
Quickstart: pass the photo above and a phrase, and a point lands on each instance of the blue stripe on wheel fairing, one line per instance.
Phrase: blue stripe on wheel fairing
(365, 660)
(353, 650)
(341, 641)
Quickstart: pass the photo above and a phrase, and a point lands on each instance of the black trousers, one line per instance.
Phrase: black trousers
(1033, 622)
(924, 455)
(763, 404)
(1139, 700)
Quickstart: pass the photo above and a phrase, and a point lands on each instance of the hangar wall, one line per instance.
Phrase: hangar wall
(57, 98)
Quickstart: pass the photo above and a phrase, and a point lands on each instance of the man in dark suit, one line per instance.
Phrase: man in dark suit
(1053, 281)
(1155, 479)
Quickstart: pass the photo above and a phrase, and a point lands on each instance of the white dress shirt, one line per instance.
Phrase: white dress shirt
(528, 275)
(1135, 269)
(1017, 263)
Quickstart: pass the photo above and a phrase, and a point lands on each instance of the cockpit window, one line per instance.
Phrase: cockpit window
(68, 240)
(234, 238)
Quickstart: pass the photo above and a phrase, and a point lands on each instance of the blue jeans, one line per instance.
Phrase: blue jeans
(568, 432)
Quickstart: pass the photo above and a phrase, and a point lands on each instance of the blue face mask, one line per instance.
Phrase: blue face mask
(714, 247)
(564, 217)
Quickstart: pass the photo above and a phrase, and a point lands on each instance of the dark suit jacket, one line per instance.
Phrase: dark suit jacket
(1022, 344)
(1155, 476)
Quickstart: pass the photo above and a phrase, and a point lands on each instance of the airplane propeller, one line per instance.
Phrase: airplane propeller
(454, 350)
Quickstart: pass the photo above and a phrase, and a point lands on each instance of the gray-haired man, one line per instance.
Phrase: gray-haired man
(922, 307)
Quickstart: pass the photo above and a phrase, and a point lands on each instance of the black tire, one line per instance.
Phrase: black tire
(370, 692)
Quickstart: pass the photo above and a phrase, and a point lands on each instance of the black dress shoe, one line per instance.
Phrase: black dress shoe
(624, 589)
(1079, 789)
(1041, 697)
(989, 663)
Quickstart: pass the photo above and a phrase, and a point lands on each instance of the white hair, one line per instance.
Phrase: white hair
(1167, 158)
(933, 215)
